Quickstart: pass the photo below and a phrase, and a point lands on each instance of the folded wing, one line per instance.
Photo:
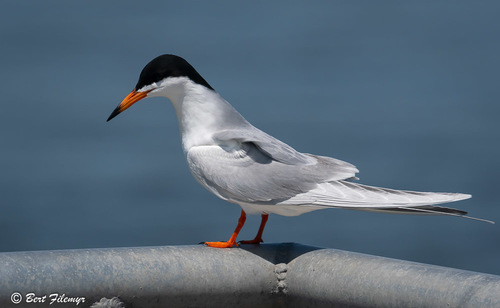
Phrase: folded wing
(258, 169)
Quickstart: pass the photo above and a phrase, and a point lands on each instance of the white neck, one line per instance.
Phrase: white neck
(200, 111)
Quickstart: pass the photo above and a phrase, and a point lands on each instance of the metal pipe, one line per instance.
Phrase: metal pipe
(269, 275)
(334, 278)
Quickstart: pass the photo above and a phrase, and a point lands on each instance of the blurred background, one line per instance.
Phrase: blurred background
(407, 92)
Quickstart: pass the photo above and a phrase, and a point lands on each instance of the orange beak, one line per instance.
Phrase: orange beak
(128, 101)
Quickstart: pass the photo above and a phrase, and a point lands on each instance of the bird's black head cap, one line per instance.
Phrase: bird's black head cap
(168, 66)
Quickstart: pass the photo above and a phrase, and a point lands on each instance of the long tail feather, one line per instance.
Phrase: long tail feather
(354, 196)
(446, 211)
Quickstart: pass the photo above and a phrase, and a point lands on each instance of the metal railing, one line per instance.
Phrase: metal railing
(269, 275)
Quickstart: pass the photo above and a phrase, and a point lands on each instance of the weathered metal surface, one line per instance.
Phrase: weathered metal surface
(334, 278)
(270, 275)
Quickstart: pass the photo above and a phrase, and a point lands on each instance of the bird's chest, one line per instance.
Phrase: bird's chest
(197, 125)
(194, 139)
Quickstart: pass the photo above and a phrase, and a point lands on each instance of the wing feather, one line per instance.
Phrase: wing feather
(277, 149)
(246, 174)
(345, 194)
(263, 174)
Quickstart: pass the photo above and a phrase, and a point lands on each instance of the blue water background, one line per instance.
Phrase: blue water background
(407, 91)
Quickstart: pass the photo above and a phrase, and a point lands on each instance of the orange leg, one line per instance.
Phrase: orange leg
(258, 237)
(232, 240)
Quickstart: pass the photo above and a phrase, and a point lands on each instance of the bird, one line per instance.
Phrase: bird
(244, 165)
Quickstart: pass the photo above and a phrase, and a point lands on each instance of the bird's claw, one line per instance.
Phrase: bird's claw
(220, 244)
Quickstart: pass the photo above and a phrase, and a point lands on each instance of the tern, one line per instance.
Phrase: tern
(242, 164)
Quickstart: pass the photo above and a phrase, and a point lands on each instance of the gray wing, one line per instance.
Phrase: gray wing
(277, 149)
(248, 174)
